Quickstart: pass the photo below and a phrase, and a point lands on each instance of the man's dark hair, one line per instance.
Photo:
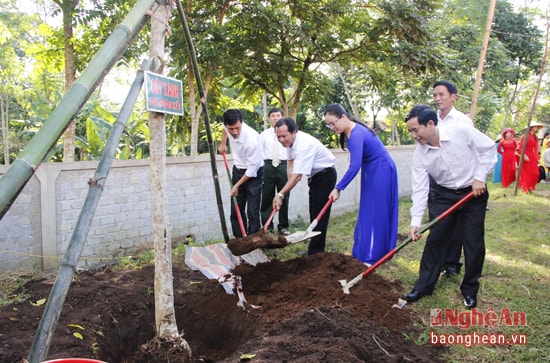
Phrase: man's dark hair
(449, 85)
(424, 114)
(289, 122)
(232, 116)
(276, 109)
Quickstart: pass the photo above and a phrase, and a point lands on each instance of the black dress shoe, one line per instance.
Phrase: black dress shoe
(470, 302)
(451, 271)
(413, 296)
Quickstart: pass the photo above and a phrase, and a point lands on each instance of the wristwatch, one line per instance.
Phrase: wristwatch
(281, 195)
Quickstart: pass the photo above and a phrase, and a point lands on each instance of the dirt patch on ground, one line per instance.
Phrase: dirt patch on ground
(296, 311)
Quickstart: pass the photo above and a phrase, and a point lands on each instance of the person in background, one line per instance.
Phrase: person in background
(444, 95)
(307, 157)
(456, 160)
(546, 158)
(543, 147)
(247, 173)
(275, 174)
(377, 219)
(530, 173)
(507, 147)
(497, 171)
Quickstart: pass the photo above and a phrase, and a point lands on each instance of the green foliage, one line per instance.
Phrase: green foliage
(283, 43)
(521, 39)
(388, 54)
(136, 261)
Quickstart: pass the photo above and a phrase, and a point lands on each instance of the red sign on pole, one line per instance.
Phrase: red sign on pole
(163, 94)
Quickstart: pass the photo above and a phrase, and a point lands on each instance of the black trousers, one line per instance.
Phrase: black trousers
(454, 251)
(468, 223)
(275, 179)
(248, 200)
(320, 187)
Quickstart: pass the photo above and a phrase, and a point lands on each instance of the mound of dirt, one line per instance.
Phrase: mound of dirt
(296, 311)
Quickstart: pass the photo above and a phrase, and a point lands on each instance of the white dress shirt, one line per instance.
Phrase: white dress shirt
(309, 155)
(454, 116)
(464, 154)
(266, 143)
(246, 150)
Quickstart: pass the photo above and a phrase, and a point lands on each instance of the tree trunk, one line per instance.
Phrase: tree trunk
(4, 115)
(481, 63)
(265, 111)
(68, 7)
(354, 111)
(165, 319)
(196, 107)
(394, 130)
(508, 109)
(194, 142)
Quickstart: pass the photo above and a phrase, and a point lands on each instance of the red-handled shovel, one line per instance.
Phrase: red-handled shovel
(347, 285)
(233, 198)
(268, 221)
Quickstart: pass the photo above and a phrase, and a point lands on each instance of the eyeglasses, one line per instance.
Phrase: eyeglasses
(331, 124)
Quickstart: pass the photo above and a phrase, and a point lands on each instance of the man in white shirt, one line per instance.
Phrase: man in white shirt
(458, 159)
(275, 175)
(444, 96)
(308, 157)
(247, 173)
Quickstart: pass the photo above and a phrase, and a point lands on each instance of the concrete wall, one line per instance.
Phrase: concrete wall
(37, 229)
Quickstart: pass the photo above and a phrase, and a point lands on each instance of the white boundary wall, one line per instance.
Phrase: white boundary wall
(36, 231)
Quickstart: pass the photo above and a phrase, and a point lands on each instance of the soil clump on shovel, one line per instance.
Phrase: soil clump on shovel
(260, 239)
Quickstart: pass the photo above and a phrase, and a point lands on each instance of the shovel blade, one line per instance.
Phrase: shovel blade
(301, 236)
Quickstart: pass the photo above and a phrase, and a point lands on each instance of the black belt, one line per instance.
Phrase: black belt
(458, 191)
(269, 161)
(326, 170)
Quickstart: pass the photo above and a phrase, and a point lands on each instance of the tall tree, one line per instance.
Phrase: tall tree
(19, 33)
(281, 48)
(521, 40)
(68, 8)
(165, 316)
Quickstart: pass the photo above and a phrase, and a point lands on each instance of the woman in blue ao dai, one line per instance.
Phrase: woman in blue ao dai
(377, 218)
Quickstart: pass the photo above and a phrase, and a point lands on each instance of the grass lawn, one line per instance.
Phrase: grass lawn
(516, 277)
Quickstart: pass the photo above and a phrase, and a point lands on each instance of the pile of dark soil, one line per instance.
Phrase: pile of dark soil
(296, 311)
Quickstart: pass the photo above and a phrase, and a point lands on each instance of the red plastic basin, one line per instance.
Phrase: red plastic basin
(74, 360)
